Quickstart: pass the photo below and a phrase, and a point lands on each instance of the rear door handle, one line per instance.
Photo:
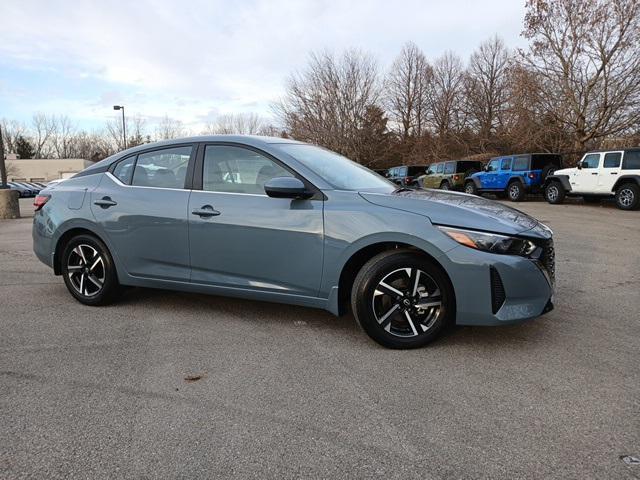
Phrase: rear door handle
(614, 173)
(594, 173)
(205, 211)
(105, 202)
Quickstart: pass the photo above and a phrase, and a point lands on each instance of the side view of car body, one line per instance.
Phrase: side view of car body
(449, 175)
(598, 175)
(406, 175)
(277, 220)
(514, 175)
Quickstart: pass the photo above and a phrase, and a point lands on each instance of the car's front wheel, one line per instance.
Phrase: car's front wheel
(554, 193)
(470, 188)
(89, 272)
(402, 299)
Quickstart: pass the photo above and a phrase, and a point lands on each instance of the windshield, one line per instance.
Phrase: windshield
(340, 172)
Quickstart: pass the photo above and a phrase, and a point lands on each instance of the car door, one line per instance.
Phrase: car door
(141, 205)
(489, 179)
(239, 237)
(585, 178)
(609, 172)
(504, 174)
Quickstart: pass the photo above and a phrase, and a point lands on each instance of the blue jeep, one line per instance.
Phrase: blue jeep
(514, 175)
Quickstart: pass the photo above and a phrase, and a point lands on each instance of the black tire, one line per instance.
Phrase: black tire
(445, 186)
(554, 193)
(628, 196)
(591, 199)
(89, 272)
(470, 188)
(548, 170)
(396, 321)
(516, 191)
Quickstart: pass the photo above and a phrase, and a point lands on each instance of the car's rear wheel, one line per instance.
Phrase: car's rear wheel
(470, 188)
(402, 299)
(628, 196)
(516, 192)
(554, 193)
(445, 186)
(89, 272)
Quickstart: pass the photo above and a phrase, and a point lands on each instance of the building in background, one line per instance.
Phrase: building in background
(43, 169)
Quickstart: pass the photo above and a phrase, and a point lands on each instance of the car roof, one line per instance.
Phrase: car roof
(251, 140)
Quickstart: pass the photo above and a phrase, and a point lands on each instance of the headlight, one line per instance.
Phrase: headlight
(492, 242)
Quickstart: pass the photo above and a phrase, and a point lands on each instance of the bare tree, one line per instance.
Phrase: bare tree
(135, 127)
(62, 137)
(406, 90)
(327, 102)
(587, 55)
(446, 100)
(486, 88)
(44, 127)
(236, 123)
(11, 130)
(169, 128)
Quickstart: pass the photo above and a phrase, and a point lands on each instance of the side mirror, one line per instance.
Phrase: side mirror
(286, 187)
(579, 165)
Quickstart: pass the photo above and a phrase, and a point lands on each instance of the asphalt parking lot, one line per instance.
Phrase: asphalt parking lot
(169, 384)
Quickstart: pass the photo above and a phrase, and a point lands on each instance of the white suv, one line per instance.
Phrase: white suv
(599, 175)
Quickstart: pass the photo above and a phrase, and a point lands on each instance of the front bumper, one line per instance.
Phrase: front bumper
(493, 289)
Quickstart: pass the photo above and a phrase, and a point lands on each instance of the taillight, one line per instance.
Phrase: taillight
(456, 177)
(40, 200)
(407, 179)
(532, 175)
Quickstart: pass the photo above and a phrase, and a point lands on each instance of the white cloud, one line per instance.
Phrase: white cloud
(189, 59)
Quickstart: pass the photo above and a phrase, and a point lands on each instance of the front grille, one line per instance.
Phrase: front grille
(547, 261)
(497, 290)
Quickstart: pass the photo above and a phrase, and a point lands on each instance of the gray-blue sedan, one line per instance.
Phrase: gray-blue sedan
(279, 220)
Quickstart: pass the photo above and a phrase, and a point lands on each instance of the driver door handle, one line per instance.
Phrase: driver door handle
(205, 211)
(594, 173)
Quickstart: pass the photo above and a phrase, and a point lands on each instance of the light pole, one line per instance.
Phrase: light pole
(3, 168)
(124, 126)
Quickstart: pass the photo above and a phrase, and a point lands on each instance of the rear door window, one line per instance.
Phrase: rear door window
(612, 160)
(166, 168)
(449, 168)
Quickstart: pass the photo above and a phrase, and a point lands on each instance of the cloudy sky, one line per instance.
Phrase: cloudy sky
(195, 59)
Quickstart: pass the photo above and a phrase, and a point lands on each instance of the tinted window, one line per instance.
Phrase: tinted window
(631, 160)
(612, 160)
(540, 160)
(520, 164)
(416, 170)
(591, 161)
(450, 167)
(465, 166)
(124, 170)
(238, 170)
(166, 168)
(506, 164)
(439, 167)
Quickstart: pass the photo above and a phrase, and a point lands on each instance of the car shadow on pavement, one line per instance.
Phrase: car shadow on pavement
(208, 307)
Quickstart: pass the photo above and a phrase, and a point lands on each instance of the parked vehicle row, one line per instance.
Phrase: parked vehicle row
(598, 175)
(27, 189)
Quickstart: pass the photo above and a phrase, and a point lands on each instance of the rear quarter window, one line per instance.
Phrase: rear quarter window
(631, 160)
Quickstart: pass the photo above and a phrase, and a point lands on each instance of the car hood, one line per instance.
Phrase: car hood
(565, 171)
(460, 210)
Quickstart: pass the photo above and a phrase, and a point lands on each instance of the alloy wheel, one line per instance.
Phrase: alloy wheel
(626, 197)
(86, 270)
(552, 193)
(468, 188)
(514, 191)
(407, 302)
